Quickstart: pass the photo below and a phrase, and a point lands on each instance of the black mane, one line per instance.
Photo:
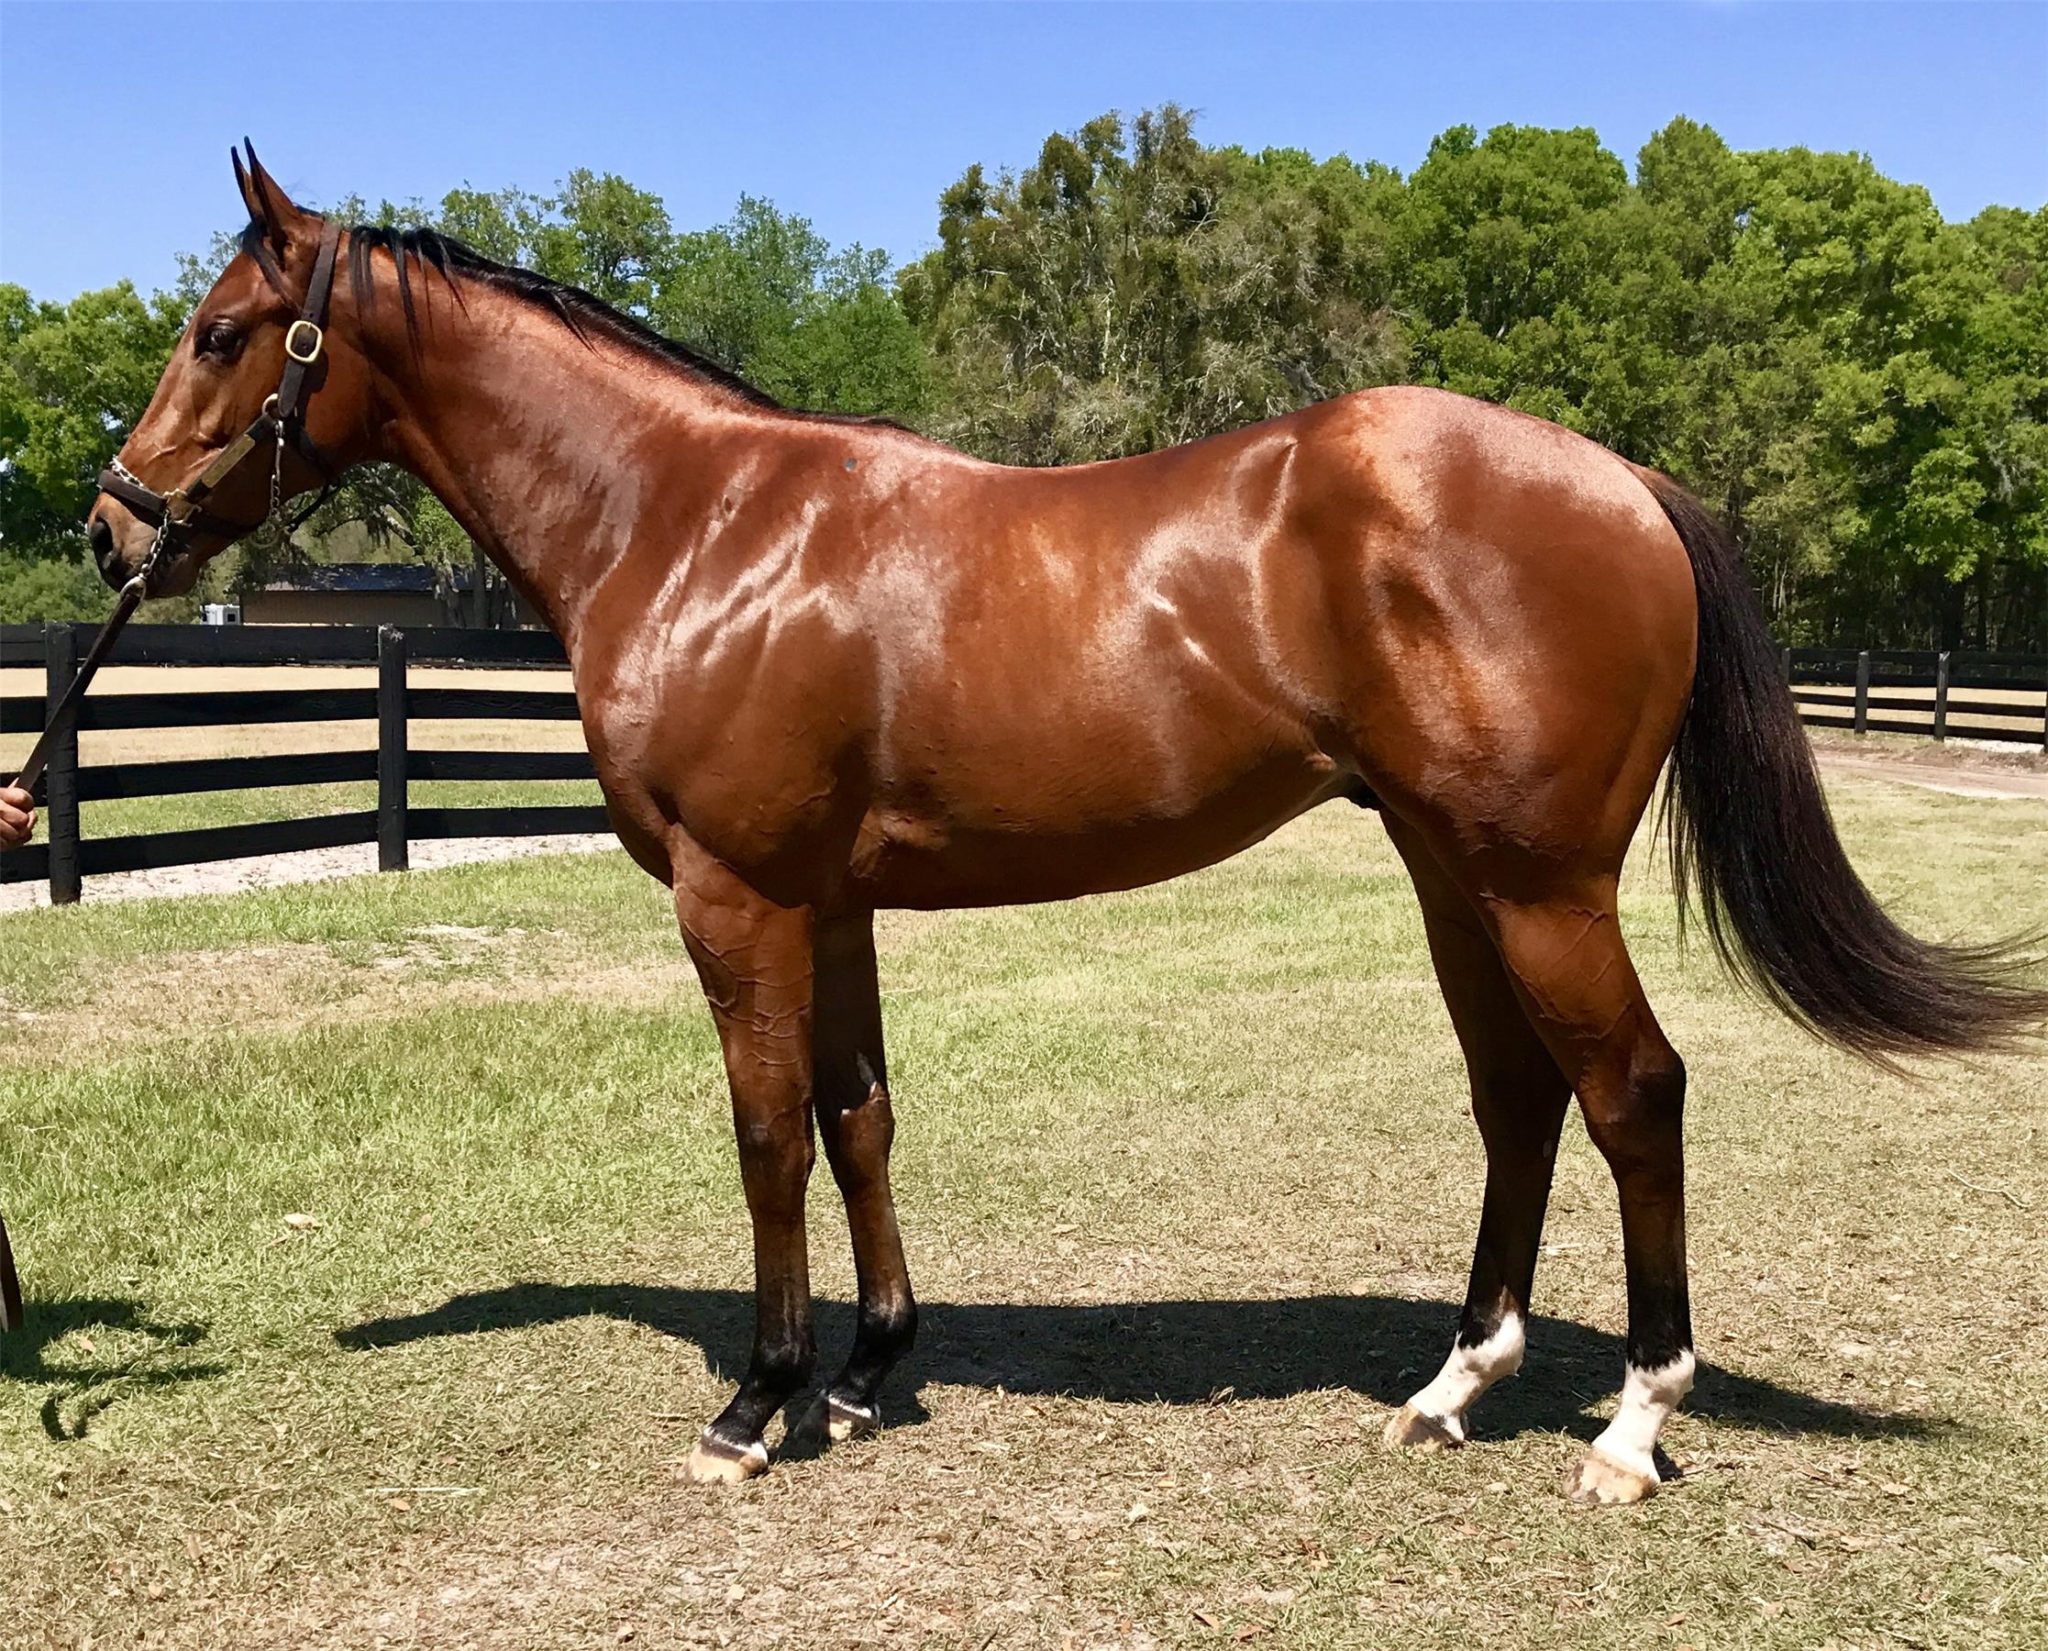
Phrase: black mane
(583, 313)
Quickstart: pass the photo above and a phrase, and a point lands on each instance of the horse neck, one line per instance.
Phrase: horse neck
(542, 443)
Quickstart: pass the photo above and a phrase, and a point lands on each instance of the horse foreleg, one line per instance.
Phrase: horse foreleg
(755, 962)
(857, 1126)
(1518, 1100)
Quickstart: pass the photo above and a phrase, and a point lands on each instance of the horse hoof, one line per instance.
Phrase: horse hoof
(846, 1420)
(828, 1421)
(1601, 1482)
(1409, 1429)
(714, 1462)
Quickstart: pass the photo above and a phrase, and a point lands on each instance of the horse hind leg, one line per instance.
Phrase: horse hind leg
(1573, 974)
(1518, 1100)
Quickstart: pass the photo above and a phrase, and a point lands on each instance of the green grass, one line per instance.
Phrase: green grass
(1187, 1184)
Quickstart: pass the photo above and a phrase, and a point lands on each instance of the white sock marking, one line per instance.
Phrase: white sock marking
(1469, 1372)
(1648, 1397)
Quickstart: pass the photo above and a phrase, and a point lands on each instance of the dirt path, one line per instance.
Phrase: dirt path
(1959, 778)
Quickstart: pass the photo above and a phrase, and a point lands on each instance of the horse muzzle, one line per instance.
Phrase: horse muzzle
(105, 549)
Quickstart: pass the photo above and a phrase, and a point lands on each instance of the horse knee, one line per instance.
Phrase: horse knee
(776, 1159)
(858, 1137)
(777, 1142)
(1656, 1081)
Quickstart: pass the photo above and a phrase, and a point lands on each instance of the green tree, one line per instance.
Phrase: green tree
(1134, 288)
(74, 378)
(603, 235)
(765, 296)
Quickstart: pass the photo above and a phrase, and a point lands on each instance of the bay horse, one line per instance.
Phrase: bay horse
(827, 666)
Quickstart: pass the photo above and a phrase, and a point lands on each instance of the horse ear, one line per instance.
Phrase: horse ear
(268, 204)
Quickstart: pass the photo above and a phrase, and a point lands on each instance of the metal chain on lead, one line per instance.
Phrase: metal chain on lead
(160, 543)
(273, 529)
(156, 553)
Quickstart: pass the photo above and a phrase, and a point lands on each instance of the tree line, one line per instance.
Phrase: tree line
(1859, 388)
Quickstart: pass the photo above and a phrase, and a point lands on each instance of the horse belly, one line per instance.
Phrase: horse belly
(1015, 852)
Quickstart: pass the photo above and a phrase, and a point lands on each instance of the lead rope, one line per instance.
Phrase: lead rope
(132, 593)
(125, 604)
(10, 1285)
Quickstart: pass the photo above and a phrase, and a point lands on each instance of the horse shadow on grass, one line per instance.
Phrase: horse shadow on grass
(1176, 1352)
(83, 1387)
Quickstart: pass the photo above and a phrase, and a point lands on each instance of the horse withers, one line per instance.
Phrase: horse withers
(827, 666)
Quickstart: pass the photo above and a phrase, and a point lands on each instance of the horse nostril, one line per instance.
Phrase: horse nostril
(100, 535)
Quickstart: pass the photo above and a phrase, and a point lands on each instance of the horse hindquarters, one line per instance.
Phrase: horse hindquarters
(1517, 663)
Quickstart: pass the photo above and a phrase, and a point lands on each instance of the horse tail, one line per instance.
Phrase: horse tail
(1748, 826)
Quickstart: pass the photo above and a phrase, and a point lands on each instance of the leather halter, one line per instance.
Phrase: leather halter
(181, 510)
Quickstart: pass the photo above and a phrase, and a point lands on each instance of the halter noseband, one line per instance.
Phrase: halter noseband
(181, 510)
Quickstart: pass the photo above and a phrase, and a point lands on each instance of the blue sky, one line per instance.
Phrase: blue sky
(115, 121)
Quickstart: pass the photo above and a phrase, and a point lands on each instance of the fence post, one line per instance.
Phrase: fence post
(60, 777)
(392, 853)
(1785, 656)
(1863, 692)
(1941, 696)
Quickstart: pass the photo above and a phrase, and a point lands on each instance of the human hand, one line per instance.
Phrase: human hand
(17, 817)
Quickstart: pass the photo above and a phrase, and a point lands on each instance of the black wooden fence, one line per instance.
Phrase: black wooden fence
(1980, 696)
(68, 857)
(1975, 696)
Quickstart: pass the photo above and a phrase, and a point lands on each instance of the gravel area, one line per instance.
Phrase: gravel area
(312, 866)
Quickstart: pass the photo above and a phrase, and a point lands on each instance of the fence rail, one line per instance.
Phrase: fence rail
(293, 645)
(1975, 696)
(1979, 696)
(68, 856)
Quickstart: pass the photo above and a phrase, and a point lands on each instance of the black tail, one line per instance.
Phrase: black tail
(1749, 825)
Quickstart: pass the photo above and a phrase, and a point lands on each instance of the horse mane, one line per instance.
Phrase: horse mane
(583, 313)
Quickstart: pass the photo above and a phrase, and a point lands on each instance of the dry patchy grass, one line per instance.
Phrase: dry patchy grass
(1188, 1190)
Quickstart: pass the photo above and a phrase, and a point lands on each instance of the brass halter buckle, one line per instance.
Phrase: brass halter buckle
(295, 344)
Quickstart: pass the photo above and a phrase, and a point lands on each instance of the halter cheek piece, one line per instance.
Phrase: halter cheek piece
(182, 510)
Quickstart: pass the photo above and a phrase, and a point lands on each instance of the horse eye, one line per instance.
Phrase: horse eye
(221, 339)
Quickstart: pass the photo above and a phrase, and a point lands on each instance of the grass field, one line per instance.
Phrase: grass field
(1188, 1188)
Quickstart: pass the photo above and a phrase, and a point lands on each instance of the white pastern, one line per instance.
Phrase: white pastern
(1469, 1372)
(713, 1462)
(845, 1421)
(1648, 1397)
